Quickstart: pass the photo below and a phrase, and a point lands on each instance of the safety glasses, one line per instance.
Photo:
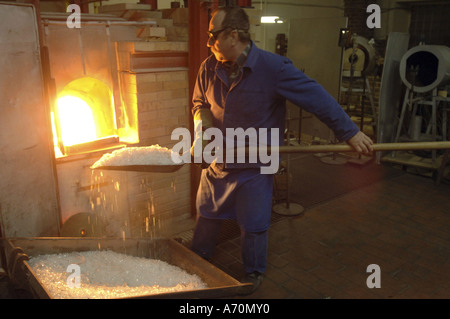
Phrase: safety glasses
(212, 35)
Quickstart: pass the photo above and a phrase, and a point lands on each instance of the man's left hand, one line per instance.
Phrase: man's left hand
(361, 143)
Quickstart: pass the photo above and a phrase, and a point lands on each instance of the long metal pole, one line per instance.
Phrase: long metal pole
(376, 147)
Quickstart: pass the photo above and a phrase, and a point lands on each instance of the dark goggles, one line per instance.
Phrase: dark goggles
(212, 35)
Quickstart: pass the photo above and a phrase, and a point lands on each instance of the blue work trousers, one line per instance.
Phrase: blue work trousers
(253, 244)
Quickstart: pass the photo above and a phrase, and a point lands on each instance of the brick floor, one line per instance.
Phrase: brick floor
(401, 224)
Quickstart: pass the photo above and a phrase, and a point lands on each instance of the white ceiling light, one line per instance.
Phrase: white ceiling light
(271, 19)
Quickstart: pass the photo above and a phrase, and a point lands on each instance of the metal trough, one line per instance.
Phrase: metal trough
(19, 250)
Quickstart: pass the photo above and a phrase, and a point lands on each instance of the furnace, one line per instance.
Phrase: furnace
(71, 96)
(87, 107)
(85, 117)
(91, 91)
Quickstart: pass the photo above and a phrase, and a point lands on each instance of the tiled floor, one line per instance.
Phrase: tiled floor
(401, 224)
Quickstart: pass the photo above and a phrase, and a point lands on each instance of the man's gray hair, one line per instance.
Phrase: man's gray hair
(237, 19)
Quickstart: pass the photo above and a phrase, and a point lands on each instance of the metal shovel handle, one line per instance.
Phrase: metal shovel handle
(295, 149)
(409, 146)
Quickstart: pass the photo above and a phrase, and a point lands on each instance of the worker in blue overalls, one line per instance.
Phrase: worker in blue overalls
(242, 86)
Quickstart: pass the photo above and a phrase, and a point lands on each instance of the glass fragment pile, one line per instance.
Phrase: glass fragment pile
(143, 155)
(107, 274)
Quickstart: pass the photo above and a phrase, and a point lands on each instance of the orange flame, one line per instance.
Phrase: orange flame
(76, 120)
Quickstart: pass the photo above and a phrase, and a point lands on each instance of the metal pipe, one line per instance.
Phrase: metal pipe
(287, 150)
(376, 147)
(410, 146)
(103, 23)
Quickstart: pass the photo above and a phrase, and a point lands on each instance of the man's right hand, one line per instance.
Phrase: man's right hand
(361, 143)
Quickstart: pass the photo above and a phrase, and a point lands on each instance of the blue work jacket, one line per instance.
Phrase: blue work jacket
(257, 97)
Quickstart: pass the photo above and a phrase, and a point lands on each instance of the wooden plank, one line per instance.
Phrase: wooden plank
(151, 31)
(160, 59)
(407, 159)
(123, 7)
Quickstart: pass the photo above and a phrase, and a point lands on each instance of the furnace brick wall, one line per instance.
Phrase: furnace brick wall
(161, 94)
(163, 104)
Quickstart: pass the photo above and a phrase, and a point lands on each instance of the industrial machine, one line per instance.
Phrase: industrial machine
(359, 62)
(424, 68)
(425, 72)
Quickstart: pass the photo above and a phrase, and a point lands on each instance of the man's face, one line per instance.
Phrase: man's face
(220, 44)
